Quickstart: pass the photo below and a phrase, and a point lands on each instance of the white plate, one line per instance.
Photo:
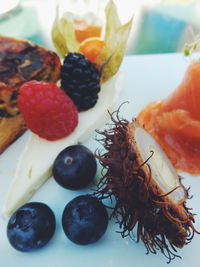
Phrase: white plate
(147, 78)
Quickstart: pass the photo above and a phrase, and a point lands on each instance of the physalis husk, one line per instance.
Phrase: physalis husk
(115, 37)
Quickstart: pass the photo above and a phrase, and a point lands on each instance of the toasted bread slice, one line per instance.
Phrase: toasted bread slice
(20, 61)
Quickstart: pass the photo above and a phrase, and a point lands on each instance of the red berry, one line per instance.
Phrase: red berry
(47, 110)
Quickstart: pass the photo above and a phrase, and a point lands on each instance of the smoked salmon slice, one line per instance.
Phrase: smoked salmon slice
(175, 122)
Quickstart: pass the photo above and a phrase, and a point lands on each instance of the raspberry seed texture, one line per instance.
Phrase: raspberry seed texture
(47, 110)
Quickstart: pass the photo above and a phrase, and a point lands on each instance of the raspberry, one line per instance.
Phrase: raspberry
(47, 110)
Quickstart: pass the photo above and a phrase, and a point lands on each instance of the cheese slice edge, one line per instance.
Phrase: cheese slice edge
(35, 163)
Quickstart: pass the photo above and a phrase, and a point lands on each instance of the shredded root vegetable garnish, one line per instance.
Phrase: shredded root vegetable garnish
(148, 193)
(175, 122)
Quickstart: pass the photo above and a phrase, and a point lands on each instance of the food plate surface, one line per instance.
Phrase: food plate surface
(147, 78)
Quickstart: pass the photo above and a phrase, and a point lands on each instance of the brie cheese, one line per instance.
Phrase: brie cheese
(35, 163)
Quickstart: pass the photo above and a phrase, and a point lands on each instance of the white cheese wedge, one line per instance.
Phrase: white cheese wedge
(35, 164)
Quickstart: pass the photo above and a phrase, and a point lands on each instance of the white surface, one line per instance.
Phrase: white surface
(147, 78)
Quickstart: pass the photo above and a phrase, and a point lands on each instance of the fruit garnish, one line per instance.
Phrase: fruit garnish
(47, 110)
(115, 38)
(190, 48)
(63, 34)
(148, 192)
(91, 48)
(75, 167)
(32, 170)
(31, 227)
(80, 80)
(84, 220)
(85, 30)
(175, 122)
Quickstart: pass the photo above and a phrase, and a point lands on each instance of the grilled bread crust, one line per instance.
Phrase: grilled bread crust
(20, 61)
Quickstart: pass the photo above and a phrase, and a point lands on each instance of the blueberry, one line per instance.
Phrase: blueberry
(31, 226)
(75, 167)
(84, 220)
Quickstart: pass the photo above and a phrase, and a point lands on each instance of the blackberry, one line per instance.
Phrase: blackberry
(80, 79)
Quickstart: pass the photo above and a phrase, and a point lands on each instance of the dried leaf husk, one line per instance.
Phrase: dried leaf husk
(116, 36)
(161, 223)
